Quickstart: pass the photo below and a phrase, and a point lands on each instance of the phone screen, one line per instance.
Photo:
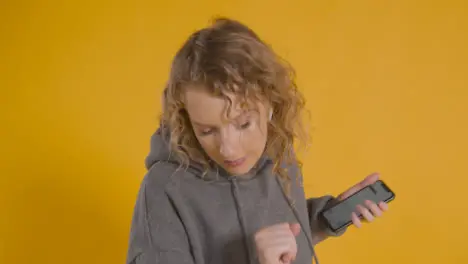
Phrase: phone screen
(339, 216)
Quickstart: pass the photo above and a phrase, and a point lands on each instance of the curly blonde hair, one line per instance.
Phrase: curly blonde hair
(229, 58)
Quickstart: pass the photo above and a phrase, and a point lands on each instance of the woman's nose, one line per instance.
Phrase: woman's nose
(226, 149)
(229, 142)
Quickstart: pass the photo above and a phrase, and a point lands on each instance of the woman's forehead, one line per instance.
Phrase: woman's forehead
(207, 108)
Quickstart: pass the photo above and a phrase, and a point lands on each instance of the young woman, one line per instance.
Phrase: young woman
(223, 184)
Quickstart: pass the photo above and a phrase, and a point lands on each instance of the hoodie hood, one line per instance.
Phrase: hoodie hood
(160, 151)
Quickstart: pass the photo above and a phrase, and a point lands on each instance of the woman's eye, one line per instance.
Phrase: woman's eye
(245, 125)
(207, 132)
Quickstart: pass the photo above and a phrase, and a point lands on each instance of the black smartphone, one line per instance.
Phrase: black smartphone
(338, 216)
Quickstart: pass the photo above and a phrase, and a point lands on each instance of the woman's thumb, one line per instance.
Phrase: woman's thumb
(295, 228)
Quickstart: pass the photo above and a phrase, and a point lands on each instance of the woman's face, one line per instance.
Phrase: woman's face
(236, 139)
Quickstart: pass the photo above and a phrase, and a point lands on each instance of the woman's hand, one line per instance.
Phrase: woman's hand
(276, 244)
(369, 210)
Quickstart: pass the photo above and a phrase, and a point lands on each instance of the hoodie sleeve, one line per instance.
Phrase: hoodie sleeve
(157, 235)
(315, 206)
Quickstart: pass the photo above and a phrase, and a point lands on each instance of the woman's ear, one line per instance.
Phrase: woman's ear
(270, 115)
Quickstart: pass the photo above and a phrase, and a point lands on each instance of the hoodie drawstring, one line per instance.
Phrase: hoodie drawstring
(235, 193)
(296, 214)
(311, 245)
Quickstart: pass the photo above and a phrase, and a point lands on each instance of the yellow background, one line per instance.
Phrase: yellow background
(386, 83)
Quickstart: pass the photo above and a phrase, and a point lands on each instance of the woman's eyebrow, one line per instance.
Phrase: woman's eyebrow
(245, 114)
(199, 123)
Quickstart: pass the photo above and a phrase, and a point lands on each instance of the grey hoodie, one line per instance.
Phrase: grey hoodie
(182, 217)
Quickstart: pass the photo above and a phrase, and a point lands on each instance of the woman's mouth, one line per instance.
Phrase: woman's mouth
(234, 163)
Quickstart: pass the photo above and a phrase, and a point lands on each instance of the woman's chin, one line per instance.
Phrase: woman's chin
(238, 170)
